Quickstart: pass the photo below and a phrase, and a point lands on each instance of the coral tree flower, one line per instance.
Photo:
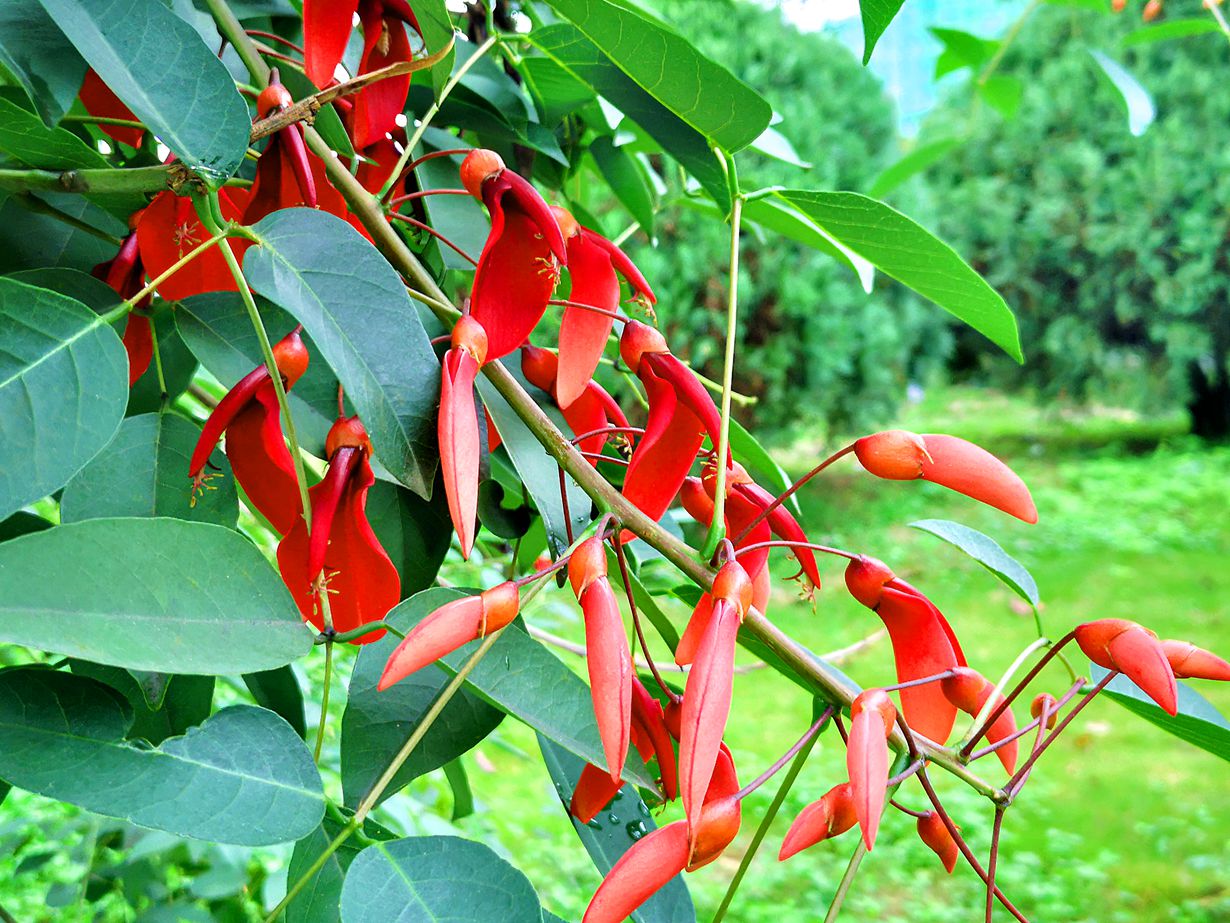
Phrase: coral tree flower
(898, 455)
(457, 427)
(607, 654)
(654, 860)
(250, 417)
(1188, 661)
(593, 409)
(872, 715)
(923, 642)
(169, 228)
(830, 815)
(283, 174)
(969, 690)
(125, 273)
(1131, 649)
(341, 556)
(326, 30)
(594, 265)
(519, 266)
(681, 412)
(455, 623)
(934, 832)
(100, 101)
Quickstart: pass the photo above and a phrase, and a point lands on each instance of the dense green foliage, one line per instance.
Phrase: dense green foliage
(1111, 248)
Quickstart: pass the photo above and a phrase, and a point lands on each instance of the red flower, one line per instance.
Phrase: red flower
(954, 463)
(449, 627)
(593, 264)
(124, 273)
(169, 228)
(326, 29)
(593, 409)
(969, 690)
(829, 816)
(283, 175)
(923, 642)
(342, 556)
(519, 266)
(457, 427)
(1131, 649)
(1187, 660)
(680, 414)
(934, 832)
(872, 715)
(255, 446)
(99, 100)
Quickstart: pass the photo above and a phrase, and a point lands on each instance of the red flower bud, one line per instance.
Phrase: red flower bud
(1118, 644)
(831, 815)
(933, 832)
(638, 339)
(457, 428)
(1189, 661)
(1044, 700)
(479, 166)
(969, 690)
(1152, 10)
(274, 98)
(872, 715)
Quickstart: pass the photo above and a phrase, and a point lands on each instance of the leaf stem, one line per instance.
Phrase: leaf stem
(324, 702)
(860, 850)
(162, 379)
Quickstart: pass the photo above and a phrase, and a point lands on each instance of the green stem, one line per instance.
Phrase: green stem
(324, 702)
(847, 879)
(95, 180)
(215, 238)
(102, 120)
(315, 867)
(162, 378)
(430, 114)
(1006, 42)
(717, 526)
(234, 33)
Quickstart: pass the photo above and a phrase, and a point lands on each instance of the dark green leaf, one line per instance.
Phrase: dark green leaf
(320, 899)
(25, 139)
(877, 14)
(1139, 104)
(63, 387)
(30, 239)
(696, 88)
(153, 685)
(143, 471)
(36, 52)
(1197, 722)
(22, 524)
(627, 180)
(365, 327)
(611, 834)
(436, 878)
(569, 48)
(278, 690)
(149, 594)
(913, 163)
(522, 678)
(499, 516)
(987, 552)
(162, 70)
(459, 783)
(903, 250)
(557, 93)
(242, 777)
(414, 532)
(459, 218)
(186, 701)
(217, 329)
(375, 724)
(178, 365)
(1171, 29)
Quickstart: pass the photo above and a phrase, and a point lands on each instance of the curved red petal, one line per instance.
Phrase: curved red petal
(741, 510)
(326, 30)
(169, 228)
(830, 815)
(233, 402)
(595, 790)
(623, 265)
(459, 449)
(378, 105)
(969, 691)
(646, 867)
(664, 455)
(583, 334)
(443, 631)
(610, 672)
(1187, 660)
(1140, 657)
(326, 496)
(139, 344)
(526, 198)
(647, 713)
(691, 393)
(256, 449)
(972, 470)
(934, 832)
(694, 631)
(706, 705)
(785, 526)
(867, 764)
(99, 100)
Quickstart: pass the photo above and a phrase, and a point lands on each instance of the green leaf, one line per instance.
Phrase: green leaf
(696, 88)
(459, 783)
(962, 49)
(20, 524)
(365, 327)
(1198, 721)
(29, 239)
(36, 52)
(459, 218)
(149, 594)
(772, 214)
(185, 701)
(320, 899)
(523, 679)
(771, 475)
(987, 552)
(63, 387)
(611, 834)
(905, 251)
(1003, 93)
(143, 471)
(163, 71)
(437, 28)
(556, 92)
(1171, 29)
(916, 161)
(217, 329)
(242, 777)
(415, 533)
(877, 14)
(436, 878)
(375, 724)
(569, 48)
(278, 690)
(1140, 108)
(627, 180)
(538, 471)
(25, 138)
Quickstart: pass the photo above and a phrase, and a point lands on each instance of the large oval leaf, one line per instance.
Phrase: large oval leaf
(183, 702)
(356, 310)
(436, 878)
(63, 389)
(375, 724)
(38, 55)
(149, 594)
(144, 472)
(908, 253)
(163, 71)
(1198, 722)
(987, 552)
(24, 138)
(242, 777)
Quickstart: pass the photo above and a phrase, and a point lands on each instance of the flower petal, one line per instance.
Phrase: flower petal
(169, 228)
(867, 765)
(439, 634)
(256, 449)
(610, 672)
(830, 815)
(664, 455)
(706, 705)
(583, 334)
(459, 444)
(972, 470)
(377, 105)
(326, 30)
(645, 868)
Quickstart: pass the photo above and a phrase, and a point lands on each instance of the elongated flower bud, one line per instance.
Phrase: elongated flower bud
(871, 720)
(1118, 644)
(1189, 661)
(829, 816)
(933, 832)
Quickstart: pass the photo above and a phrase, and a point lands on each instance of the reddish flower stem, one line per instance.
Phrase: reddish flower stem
(270, 53)
(636, 621)
(993, 861)
(563, 499)
(341, 397)
(783, 543)
(408, 168)
(903, 809)
(933, 678)
(606, 429)
(414, 222)
(787, 756)
(599, 457)
(789, 492)
(906, 773)
(589, 307)
(424, 193)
